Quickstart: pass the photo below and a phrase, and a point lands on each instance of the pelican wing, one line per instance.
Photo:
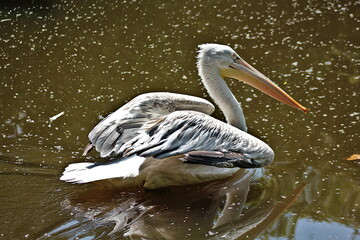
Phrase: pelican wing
(111, 133)
(221, 159)
(202, 138)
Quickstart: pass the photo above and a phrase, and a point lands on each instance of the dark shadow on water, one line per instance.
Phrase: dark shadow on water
(203, 211)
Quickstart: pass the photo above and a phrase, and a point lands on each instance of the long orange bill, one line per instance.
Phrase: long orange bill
(243, 71)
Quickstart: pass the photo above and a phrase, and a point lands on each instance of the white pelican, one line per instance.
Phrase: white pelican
(156, 136)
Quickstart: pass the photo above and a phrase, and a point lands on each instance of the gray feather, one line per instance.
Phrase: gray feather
(111, 133)
(184, 131)
(221, 159)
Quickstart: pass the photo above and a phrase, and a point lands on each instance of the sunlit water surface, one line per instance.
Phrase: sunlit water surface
(86, 58)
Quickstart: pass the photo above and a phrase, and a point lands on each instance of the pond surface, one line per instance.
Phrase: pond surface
(86, 58)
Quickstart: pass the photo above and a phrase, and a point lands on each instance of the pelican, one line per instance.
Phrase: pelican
(165, 139)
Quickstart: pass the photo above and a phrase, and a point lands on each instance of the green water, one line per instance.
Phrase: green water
(87, 58)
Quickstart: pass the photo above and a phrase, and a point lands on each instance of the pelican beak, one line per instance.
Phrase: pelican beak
(244, 72)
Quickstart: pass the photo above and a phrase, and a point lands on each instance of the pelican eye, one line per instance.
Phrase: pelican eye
(235, 57)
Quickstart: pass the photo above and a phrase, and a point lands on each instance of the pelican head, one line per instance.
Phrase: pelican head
(223, 60)
(216, 55)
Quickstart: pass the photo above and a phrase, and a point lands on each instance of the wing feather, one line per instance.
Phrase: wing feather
(111, 133)
(221, 159)
(182, 132)
(156, 125)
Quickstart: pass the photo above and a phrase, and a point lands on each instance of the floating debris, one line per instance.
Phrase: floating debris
(53, 118)
(5, 20)
(354, 157)
(56, 116)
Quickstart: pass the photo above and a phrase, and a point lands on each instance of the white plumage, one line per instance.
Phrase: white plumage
(89, 172)
(166, 139)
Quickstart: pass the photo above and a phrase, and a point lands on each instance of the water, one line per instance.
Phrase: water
(86, 58)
